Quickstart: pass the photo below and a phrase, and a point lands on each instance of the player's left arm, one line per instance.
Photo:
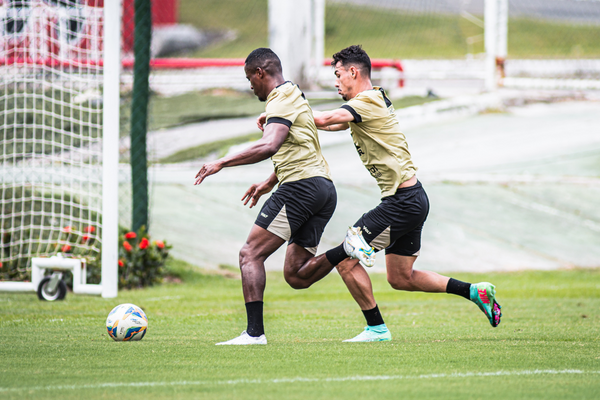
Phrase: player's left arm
(273, 137)
(335, 120)
(258, 189)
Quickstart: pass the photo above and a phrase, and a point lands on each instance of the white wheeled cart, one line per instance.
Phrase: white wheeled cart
(53, 287)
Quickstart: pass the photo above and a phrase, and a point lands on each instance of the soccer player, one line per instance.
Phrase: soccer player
(396, 223)
(302, 205)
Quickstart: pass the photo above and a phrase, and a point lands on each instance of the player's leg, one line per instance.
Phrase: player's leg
(302, 268)
(359, 285)
(355, 276)
(259, 245)
(309, 211)
(405, 246)
(402, 276)
(270, 230)
(379, 228)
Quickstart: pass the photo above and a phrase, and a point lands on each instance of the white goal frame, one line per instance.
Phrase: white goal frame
(108, 288)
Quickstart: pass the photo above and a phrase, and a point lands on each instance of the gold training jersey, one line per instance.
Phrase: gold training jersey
(300, 154)
(378, 140)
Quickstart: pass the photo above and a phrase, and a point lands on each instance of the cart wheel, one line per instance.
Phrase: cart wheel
(44, 292)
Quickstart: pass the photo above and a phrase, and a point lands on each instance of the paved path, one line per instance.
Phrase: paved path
(508, 191)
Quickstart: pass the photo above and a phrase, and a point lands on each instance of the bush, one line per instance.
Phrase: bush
(141, 260)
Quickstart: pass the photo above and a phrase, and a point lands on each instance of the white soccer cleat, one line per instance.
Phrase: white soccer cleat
(356, 247)
(380, 334)
(244, 339)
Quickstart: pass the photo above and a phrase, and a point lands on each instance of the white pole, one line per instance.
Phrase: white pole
(290, 35)
(318, 39)
(110, 147)
(491, 43)
(502, 49)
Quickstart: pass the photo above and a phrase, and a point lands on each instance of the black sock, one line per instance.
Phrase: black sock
(336, 255)
(460, 288)
(373, 317)
(254, 312)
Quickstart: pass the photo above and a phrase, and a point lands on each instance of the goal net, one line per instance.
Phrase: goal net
(436, 41)
(445, 40)
(51, 108)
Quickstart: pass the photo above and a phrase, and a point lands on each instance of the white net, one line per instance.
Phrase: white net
(439, 39)
(51, 144)
(436, 40)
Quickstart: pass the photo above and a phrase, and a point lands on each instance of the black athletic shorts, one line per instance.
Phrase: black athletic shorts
(298, 211)
(396, 223)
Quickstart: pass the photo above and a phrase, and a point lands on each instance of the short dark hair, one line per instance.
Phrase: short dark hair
(353, 55)
(264, 58)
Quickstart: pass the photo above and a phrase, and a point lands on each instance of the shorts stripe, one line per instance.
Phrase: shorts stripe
(382, 240)
(312, 250)
(280, 226)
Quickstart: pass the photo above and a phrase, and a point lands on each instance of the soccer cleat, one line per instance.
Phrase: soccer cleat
(379, 333)
(244, 338)
(356, 247)
(484, 295)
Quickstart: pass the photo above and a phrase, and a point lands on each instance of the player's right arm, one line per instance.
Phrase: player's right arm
(335, 120)
(273, 137)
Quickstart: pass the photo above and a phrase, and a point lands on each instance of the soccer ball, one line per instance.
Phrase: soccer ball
(126, 322)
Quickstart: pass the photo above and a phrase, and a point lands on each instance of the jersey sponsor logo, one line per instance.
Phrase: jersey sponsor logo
(375, 173)
(366, 230)
(264, 215)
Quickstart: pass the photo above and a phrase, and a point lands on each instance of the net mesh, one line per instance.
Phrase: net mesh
(437, 39)
(51, 144)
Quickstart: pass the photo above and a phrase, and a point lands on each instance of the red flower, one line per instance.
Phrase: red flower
(160, 244)
(85, 238)
(127, 246)
(121, 264)
(89, 229)
(144, 243)
(0, 265)
(66, 248)
(130, 235)
(67, 229)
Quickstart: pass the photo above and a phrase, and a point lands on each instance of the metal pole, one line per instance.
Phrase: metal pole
(139, 113)
(110, 147)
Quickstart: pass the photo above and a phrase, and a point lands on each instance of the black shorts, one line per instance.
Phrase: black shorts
(298, 211)
(396, 223)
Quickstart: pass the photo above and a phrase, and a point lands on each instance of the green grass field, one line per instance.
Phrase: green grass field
(386, 33)
(547, 346)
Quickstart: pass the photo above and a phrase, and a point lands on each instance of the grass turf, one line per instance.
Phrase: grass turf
(388, 33)
(546, 347)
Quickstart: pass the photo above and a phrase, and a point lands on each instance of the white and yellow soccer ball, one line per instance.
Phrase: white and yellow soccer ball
(127, 322)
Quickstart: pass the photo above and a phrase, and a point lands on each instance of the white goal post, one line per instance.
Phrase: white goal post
(110, 150)
(59, 105)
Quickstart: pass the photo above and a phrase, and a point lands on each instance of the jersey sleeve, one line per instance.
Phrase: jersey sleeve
(280, 111)
(360, 108)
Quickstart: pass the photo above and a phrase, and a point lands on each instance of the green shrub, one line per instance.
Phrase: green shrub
(141, 260)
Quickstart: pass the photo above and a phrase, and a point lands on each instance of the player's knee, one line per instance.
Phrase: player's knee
(246, 254)
(344, 268)
(296, 283)
(401, 282)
